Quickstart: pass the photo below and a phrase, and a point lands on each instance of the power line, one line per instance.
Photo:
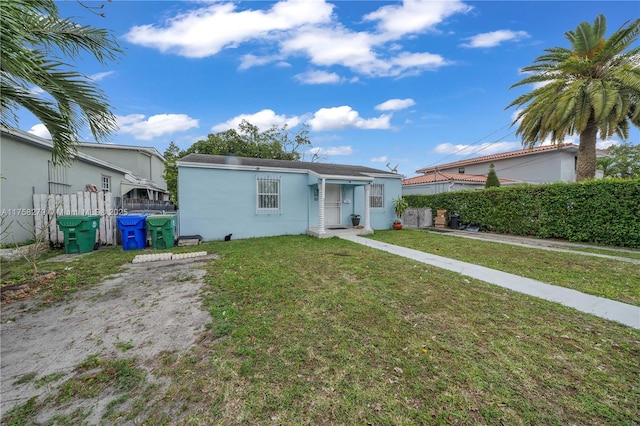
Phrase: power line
(488, 145)
(474, 143)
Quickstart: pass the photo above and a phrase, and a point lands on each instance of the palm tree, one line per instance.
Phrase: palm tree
(32, 38)
(592, 87)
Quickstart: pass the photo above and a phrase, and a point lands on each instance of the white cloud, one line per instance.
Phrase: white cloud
(249, 61)
(318, 77)
(334, 150)
(101, 75)
(205, 31)
(483, 149)
(536, 85)
(567, 139)
(307, 28)
(264, 120)
(154, 126)
(40, 130)
(356, 51)
(418, 60)
(414, 16)
(606, 144)
(514, 116)
(35, 90)
(500, 147)
(395, 104)
(540, 84)
(334, 46)
(344, 117)
(495, 38)
(382, 159)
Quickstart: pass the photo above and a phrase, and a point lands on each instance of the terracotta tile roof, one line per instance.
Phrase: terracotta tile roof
(450, 177)
(493, 157)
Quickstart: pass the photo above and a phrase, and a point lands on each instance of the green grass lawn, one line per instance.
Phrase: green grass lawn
(608, 251)
(307, 331)
(612, 279)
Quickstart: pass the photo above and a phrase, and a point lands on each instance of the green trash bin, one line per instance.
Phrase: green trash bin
(162, 232)
(79, 232)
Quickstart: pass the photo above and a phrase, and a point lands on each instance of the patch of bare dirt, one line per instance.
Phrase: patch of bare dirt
(147, 309)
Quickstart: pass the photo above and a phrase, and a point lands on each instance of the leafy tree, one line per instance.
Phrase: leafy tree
(492, 178)
(33, 38)
(247, 141)
(623, 161)
(605, 164)
(170, 174)
(592, 87)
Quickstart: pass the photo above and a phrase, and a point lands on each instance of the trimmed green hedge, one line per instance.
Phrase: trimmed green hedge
(605, 212)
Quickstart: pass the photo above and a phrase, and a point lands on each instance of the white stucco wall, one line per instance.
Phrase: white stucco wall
(543, 167)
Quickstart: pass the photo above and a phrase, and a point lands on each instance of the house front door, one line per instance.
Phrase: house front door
(333, 204)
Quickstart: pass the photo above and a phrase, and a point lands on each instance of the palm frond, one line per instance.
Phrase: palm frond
(583, 111)
(30, 30)
(72, 39)
(64, 142)
(595, 85)
(587, 38)
(603, 96)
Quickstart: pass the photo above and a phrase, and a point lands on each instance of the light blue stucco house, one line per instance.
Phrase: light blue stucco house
(253, 197)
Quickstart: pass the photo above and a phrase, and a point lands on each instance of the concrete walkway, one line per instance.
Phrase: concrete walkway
(598, 306)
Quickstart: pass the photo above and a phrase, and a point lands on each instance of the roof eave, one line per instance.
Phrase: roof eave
(487, 158)
(361, 176)
(46, 144)
(146, 149)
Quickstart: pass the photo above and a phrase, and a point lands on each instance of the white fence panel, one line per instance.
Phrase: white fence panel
(47, 207)
(110, 225)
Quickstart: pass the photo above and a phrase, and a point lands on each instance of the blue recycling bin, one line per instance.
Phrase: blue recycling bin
(134, 231)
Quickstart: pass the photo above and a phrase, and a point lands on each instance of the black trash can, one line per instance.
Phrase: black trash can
(454, 221)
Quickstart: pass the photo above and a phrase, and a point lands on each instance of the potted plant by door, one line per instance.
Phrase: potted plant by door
(400, 206)
(355, 219)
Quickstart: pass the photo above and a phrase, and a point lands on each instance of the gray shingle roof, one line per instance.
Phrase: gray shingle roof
(325, 169)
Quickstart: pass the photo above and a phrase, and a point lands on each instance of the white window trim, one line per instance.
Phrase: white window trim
(373, 194)
(103, 179)
(268, 210)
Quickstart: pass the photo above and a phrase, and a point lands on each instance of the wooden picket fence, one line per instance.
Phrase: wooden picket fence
(47, 207)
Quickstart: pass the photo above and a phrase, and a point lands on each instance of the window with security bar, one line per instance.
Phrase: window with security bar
(268, 195)
(376, 196)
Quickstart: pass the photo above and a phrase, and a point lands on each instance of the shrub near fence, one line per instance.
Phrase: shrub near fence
(605, 212)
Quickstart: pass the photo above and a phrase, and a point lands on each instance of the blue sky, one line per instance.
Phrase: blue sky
(410, 84)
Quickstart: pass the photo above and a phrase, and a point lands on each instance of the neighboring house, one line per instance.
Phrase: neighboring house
(252, 197)
(26, 169)
(145, 164)
(542, 164)
(436, 182)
